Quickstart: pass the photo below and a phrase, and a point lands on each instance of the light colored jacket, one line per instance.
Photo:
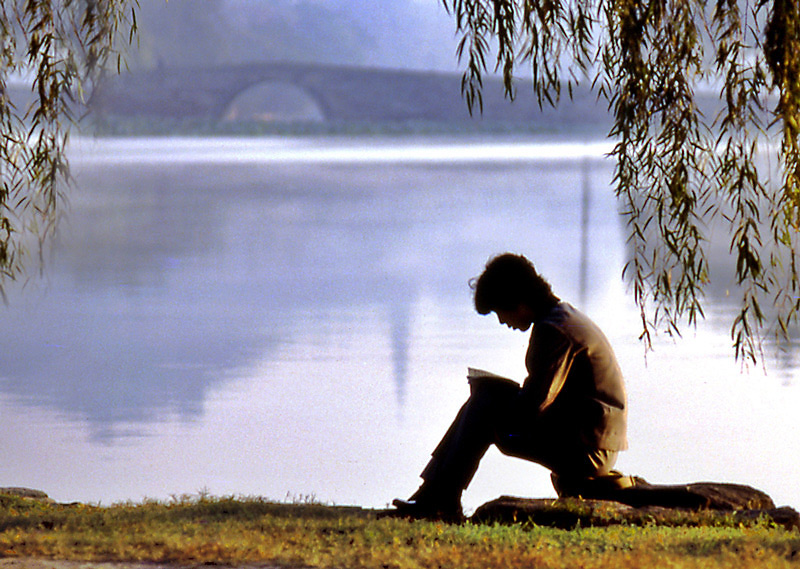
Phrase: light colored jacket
(574, 382)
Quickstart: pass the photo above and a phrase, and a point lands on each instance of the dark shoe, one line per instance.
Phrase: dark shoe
(596, 487)
(422, 510)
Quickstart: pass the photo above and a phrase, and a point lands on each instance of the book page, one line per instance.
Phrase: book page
(475, 373)
(480, 378)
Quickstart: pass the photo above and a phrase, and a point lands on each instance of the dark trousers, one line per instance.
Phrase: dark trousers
(490, 416)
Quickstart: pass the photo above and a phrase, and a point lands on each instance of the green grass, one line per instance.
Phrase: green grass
(234, 531)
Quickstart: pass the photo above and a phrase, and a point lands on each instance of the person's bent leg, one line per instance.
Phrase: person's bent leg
(455, 460)
(476, 426)
(576, 470)
(600, 484)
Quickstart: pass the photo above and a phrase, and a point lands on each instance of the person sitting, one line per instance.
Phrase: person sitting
(569, 414)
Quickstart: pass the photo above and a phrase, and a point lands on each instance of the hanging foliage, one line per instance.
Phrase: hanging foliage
(678, 172)
(59, 47)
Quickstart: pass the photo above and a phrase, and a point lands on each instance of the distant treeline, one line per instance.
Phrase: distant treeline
(390, 33)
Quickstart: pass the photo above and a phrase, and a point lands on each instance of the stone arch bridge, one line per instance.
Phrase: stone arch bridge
(341, 93)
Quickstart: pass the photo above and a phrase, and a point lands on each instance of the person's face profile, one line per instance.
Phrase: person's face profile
(517, 319)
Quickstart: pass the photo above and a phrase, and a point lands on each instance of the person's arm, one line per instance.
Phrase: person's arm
(548, 361)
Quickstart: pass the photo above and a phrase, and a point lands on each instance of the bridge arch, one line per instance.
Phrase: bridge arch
(329, 93)
(273, 100)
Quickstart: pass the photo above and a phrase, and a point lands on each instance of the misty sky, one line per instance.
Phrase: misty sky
(415, 34)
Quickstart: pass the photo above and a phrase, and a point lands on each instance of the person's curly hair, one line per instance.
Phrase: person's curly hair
(508, 281)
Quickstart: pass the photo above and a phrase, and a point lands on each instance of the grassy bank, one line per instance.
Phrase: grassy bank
(242, 531)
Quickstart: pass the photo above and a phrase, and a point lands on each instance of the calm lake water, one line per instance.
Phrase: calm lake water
(291, 318)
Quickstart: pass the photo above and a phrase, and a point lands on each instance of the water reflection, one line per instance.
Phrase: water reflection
(297, 322)
(400, 323)
(586, 208)
(165, 277)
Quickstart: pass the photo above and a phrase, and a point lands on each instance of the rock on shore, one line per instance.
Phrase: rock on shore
(702, 503)
(21, 492)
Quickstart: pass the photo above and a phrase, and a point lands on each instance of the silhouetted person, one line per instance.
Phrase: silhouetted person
(569, 415)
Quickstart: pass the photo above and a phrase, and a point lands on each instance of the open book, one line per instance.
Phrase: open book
(477, 377)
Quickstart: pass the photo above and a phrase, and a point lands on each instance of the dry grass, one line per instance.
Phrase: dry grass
(245, 531)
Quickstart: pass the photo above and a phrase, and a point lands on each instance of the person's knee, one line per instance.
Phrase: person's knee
(490, 403)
